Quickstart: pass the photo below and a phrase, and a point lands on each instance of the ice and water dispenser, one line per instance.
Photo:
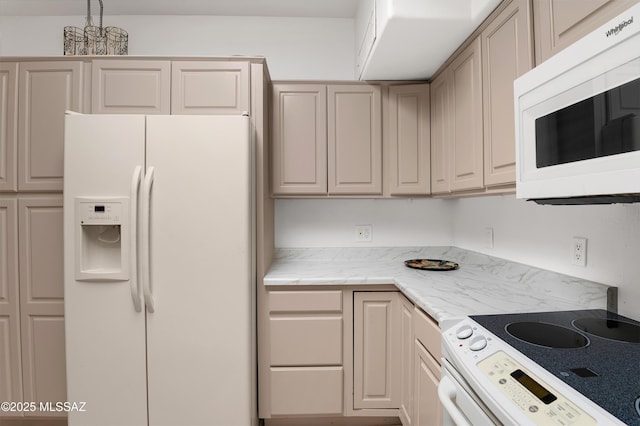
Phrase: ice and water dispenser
(102, 239)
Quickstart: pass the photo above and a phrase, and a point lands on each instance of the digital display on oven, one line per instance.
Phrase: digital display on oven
(534, 387)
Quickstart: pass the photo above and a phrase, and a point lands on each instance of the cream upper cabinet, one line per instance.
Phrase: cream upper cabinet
(46, 91)
(376, 339)
(354, 139)
(559, 23)
(8, 126)
(130, 87)
(440, 135)
(41, 299)
(299, 117)
(10, 360)
(407, 140)
(456, 124)
(466, 116)
(209, 87)
(507, 53)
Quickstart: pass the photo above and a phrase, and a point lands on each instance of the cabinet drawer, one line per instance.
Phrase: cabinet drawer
(306, 341)
(305, 301)
(428, 333)
(304, 391)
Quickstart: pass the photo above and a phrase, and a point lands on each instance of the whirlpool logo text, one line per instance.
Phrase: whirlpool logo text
(616, 30)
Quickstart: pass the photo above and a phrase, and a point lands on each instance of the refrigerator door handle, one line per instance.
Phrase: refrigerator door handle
(146, 224)
(136, 287)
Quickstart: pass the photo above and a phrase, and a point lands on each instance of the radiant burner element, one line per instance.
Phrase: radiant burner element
(609, 329)
(549, 335)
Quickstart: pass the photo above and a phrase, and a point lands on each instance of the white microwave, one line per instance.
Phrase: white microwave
(577, 120)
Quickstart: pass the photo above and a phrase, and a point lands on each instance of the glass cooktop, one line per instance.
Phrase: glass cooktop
(594, 351)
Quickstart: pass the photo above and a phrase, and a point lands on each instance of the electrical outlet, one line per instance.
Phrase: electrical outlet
(488, 237)
(364, 233)
(579, 251)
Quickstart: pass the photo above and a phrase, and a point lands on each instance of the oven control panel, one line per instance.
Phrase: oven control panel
(513, 384)
(537, 400)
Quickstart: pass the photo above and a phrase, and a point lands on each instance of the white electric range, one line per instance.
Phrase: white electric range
(546, 368)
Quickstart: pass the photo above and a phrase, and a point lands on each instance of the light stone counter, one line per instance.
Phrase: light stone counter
(482, 285)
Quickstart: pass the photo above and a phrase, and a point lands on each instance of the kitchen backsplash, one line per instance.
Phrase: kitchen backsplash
(522, 231)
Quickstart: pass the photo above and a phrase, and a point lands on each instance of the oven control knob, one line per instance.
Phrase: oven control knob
(478, 343)
(464, 332)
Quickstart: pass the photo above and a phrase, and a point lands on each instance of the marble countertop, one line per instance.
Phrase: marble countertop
(482, 285)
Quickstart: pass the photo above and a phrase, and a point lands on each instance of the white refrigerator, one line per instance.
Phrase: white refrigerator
(159, 270)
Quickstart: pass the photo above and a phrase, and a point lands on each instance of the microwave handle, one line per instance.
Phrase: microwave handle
(447, 392)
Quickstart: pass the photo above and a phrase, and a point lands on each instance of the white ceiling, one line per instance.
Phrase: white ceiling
(287, 8)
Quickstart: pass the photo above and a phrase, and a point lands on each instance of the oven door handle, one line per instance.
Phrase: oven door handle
(447, 393)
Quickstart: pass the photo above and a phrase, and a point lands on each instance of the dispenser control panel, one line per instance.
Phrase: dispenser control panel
(100, 212)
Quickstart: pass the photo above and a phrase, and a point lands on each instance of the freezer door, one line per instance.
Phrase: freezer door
(200, 337)
(105, 334)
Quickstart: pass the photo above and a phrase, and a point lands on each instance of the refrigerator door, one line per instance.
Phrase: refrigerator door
(105, 334)
(200, 336)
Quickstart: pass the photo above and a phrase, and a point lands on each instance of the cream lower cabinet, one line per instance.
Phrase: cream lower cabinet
(330, 354)
(341, 355)
(32, 348)
(10, 361)
(559, 23)
(420, 367)
(306, 359)
(427, 410)
(406, 361)
(376, 359)
(42, 299)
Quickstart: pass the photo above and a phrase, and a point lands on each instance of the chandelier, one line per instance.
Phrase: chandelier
(95, 40)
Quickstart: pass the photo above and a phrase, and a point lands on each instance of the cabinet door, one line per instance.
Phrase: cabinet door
(466, 115)
(46, 91)
(8, 125)
(41, 299)
(10, 362)
(130, 87)
(440, 135)
(406, 361)
(507, 53)
(559, 23)
(209, 87)
(355, 139)
(299, 139)
(376, 364)
(408, 140)
(428, 410)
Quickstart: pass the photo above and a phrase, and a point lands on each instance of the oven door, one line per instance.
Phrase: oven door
(461, 406)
